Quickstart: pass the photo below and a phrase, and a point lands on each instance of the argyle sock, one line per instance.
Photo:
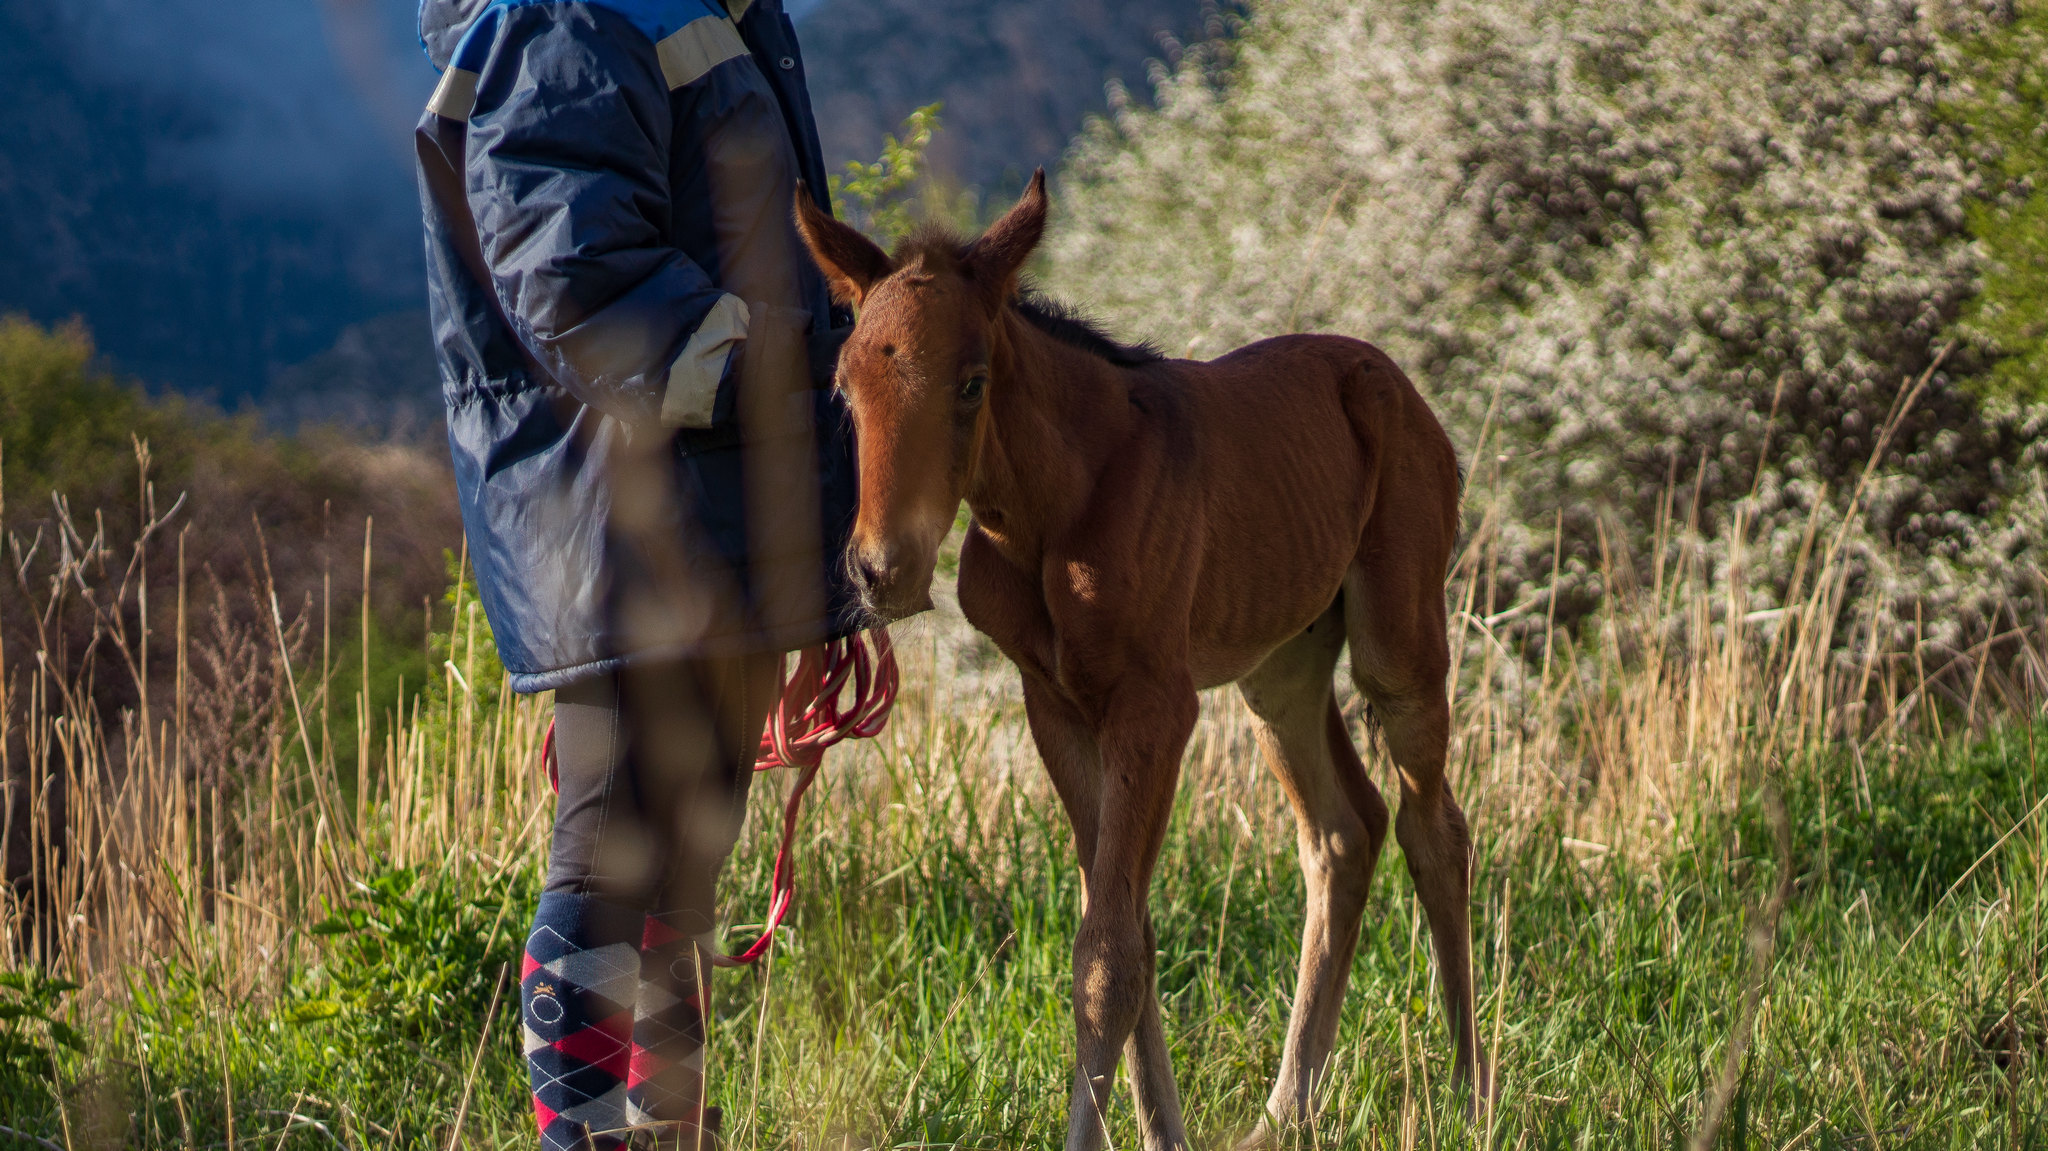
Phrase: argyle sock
(666, 1084)
(577, 990)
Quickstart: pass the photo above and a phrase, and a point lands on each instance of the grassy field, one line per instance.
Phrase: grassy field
(1737, 876)
(922, 998)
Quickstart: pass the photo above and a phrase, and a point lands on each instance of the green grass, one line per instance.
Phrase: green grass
(922, 997)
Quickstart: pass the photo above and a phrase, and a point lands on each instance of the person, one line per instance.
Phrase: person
(655, 477)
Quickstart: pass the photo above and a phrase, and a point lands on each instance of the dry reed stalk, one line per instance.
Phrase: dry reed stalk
(141, 845)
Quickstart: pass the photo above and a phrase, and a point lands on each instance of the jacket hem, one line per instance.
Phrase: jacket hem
(786, 639)
(534, 682)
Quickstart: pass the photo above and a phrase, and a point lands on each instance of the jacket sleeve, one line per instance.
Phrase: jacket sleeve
(567, 175)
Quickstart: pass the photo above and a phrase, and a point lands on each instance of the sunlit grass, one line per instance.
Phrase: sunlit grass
(922, 998)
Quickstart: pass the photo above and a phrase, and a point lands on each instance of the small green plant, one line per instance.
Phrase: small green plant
(31, 1027)
(889, 198)
(414, 958)
(877, 198)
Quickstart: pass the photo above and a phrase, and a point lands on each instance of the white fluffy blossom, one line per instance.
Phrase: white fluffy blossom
(1627, 251)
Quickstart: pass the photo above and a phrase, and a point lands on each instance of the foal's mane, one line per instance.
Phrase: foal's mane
(1073, 327)
(1069, 325)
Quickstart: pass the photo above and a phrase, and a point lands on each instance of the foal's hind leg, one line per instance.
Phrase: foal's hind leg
(1400, 656)
(1340, 822)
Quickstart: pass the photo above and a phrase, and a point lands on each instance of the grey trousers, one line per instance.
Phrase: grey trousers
(655, 761)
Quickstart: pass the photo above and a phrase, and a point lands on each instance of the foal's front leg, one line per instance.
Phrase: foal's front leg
(1144, 731)
(1073, 758)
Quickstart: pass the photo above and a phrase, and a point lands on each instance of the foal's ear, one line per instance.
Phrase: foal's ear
(851, 262)
(995, 259)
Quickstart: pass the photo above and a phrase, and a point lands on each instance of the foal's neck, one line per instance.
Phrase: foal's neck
(1055, 414)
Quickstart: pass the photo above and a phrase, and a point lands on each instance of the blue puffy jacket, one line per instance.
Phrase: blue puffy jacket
(635, 347)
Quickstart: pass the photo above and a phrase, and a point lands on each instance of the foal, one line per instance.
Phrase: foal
(1145, 528)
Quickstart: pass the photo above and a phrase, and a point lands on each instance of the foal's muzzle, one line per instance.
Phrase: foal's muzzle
(887, 579)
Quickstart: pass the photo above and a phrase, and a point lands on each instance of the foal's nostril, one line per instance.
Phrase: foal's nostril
(885, 575)
(867, 573)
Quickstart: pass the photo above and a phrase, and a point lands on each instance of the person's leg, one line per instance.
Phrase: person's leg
(580, 979)
(698, 725)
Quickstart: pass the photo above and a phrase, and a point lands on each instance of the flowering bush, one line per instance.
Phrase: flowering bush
(1642, 258)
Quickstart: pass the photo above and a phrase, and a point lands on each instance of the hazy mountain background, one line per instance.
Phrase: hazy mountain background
(1017, 78)
(222, 191)
(204, 191)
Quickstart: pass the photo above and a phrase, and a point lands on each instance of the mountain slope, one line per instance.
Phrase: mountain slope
(135, 191)
(183, 283)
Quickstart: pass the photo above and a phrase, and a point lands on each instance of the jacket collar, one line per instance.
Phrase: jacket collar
(442, 23)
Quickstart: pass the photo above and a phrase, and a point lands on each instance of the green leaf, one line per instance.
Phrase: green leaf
(311, 1011)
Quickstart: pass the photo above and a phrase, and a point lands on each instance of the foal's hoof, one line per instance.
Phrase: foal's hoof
(1262, 1138)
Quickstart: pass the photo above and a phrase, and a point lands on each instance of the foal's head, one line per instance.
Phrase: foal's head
(916, 374)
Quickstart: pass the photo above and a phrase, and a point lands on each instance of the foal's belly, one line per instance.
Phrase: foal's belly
(1264, 593)
(1219, 668)
(1215, 660)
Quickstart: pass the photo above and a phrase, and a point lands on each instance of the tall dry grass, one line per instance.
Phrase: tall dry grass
(214, 826)
(140, 841)
(1680, 691)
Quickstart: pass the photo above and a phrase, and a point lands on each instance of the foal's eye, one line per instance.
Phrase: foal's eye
(971, 390)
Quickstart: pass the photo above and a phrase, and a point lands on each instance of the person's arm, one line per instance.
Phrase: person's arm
(567, 175)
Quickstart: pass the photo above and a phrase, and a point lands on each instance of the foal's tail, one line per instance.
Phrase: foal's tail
(1353, 779)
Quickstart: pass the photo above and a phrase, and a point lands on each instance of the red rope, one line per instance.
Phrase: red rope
(808, 719)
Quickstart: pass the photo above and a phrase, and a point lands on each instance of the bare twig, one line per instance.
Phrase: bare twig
(25, 1137)
(289, 1114)
(1763, 940)
(476, 1060)
(350, 1114)
(293, 1121)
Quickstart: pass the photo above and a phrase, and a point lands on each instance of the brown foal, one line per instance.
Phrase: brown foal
(1144, 528)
